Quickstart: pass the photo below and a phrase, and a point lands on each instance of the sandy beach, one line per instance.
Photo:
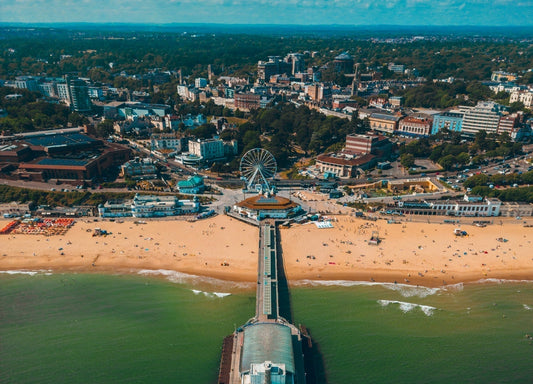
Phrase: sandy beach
(413, 253)
(219, 247)
(225, 248)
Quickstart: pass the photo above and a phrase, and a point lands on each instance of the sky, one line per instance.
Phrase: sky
(301, 12)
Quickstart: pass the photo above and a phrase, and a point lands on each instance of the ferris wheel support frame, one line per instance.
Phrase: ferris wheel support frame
(256, 167)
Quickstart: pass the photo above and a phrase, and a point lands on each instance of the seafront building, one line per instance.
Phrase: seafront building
(194, 184)
(264, 206)
(148, 206)
(468, 207)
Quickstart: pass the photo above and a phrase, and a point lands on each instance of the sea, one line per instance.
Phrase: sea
(166, 327)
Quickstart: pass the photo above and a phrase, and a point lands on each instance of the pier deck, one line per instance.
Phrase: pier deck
(267, 340)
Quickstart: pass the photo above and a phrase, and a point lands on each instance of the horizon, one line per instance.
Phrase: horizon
(287, 30)
(346, 13)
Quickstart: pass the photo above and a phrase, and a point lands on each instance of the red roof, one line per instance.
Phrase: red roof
(261, 202)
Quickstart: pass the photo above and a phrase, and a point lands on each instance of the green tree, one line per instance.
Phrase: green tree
(447, 162)
(463, 158)
(105, 128)
(407, 160)
(204, 131)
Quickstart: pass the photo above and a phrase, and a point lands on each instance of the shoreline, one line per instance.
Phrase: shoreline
(225, 249)
(179, 277)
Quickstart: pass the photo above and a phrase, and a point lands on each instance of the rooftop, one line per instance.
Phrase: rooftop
(343, 160)
(192, 181)
(56, 140)
(267, 342)
(65, 162)
(344, 56)
(384, 116)
(260, 202)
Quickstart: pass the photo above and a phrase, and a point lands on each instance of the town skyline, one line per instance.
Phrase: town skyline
(274, 12)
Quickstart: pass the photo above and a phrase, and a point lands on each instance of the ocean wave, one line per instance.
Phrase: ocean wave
(502, 281)
(454, 287)
(412, 290)
(406, 307)
(27, 272)
(185, 278)
(210, 294)
(405, 290)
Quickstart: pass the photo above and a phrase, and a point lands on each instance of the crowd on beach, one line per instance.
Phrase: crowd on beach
(225, 248)
(37, 226)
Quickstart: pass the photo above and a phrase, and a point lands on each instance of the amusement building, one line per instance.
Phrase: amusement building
(257, 167)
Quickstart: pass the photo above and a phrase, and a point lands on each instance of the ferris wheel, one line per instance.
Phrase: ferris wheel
(257, 166)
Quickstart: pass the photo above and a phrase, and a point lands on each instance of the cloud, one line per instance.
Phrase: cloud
(468, 12)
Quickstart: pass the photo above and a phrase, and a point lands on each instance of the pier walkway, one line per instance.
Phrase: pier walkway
(267, 306)
(267, 348)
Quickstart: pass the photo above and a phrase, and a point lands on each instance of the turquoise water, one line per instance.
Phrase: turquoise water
(78, 328)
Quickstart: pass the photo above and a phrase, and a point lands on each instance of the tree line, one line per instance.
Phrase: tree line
(27, 113)
(89, 53)
(450, 151)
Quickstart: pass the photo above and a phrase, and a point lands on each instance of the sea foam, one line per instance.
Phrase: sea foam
(185, 278)
(210, 294)
(405, 290)
(406, 307)
(503, 281)
(26, 272)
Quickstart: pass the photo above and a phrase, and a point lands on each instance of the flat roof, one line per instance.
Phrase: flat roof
(384, 116)
(67, 162)
(356, 161)
(55, 140)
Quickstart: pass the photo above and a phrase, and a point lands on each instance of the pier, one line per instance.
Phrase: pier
(268, 348)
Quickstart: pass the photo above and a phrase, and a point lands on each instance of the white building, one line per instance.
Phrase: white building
(26, 82)
(512, 209)
(487, 207)
(140, 169)
(96, 93)
(63, 91)
(160, 206)
(209, 149)
(470, 207)
(485, 116)
(148, 206)
(525, 97)
(200, 82)
(48, 89)
(170, 141)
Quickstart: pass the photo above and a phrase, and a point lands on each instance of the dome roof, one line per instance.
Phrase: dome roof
(260, 202)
